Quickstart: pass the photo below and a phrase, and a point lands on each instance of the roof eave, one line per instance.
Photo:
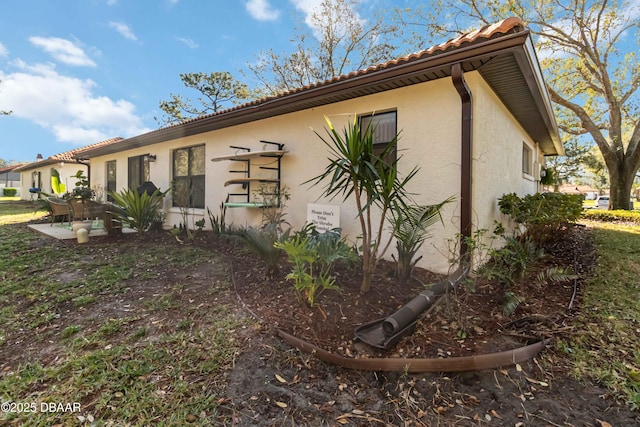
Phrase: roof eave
(353, 86)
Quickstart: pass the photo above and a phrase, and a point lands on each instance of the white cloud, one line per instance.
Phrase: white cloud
(190, 43)
(261, 10)
(311, 7)
(112, 2)
(124, 30)
(308, 7)
(63, 50)
(67, 106)
(3, 50)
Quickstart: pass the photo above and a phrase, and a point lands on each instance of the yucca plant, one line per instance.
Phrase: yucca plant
(356, 170)
(140, 210)
(411, 229)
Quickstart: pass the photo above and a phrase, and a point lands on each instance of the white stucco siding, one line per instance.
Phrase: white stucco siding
(429, 122)
(65, 170)
(497, 155)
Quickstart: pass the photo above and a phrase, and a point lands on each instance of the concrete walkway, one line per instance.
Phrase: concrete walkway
(63, 231)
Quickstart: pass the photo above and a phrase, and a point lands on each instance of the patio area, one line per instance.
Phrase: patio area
(63, 231)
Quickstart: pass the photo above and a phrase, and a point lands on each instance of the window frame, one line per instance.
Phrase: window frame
(197, 201)
(143, 171)
(527, 160)
(379, 146)
(108, 187)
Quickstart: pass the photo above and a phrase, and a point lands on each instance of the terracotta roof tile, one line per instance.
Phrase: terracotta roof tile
(487, 32)
(70, 156)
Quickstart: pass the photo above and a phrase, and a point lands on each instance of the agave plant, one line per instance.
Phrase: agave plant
(140, 211)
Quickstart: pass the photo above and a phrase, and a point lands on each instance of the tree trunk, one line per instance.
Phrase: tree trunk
(367, 276)
(621, 180)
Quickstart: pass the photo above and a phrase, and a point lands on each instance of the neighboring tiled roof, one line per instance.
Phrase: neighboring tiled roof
(70, 156)
(10, 168)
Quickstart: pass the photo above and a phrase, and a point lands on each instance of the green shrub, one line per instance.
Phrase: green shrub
(612, 216)
(140, 211)
(9, 192)
(262, 242)
(542, 215)
(411, 229)
(313, 254)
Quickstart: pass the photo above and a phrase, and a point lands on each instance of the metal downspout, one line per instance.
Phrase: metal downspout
(460, 84)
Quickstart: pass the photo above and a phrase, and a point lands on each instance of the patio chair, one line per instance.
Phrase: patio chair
(86, 209)
(59, 208)
(112, 214)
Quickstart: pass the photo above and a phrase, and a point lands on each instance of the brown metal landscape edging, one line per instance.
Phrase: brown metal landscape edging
(451, 364)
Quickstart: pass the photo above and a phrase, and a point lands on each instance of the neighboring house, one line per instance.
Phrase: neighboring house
(587, 191)
(38, 174)
(473, 114)
(9, 178)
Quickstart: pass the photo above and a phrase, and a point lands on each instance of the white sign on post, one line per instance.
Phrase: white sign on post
(324, 217)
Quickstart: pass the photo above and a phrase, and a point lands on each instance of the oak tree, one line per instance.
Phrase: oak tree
(588, 51)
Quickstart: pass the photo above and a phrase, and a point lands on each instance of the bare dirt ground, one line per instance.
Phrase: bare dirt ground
(272, 384)
(536, 393)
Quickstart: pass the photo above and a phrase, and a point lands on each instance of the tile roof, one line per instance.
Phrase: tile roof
(506, 26)
(70, 156)
(498, 50)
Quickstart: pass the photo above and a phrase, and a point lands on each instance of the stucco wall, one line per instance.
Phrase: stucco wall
(66, 171)
(429, 120)
(497, 155)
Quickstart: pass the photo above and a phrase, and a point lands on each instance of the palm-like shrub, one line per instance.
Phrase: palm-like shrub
(356, 170)
(139, 210)
(411, 229)
(262, 242)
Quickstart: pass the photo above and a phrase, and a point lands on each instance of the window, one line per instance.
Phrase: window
(527, 159)
(138, 171)
(111, 178)
(188, 176)
(384, 127)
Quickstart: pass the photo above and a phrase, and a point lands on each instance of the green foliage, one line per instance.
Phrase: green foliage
(313, 254)
(57, 186)
(612, 216)
(355, 170)
(274, 200)
(510, 303)
(218, 89)
(140, 210)
(262, 241)
(218, 224)
(510, 262)
(9, 192)
(542, 215)
(411, 229)
(82, 189)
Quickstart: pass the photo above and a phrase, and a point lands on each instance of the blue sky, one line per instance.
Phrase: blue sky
(76, 72)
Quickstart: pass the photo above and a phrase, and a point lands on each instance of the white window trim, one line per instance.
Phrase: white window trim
(531, 162)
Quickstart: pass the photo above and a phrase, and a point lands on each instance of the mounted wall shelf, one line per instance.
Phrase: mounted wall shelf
(245, 155)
